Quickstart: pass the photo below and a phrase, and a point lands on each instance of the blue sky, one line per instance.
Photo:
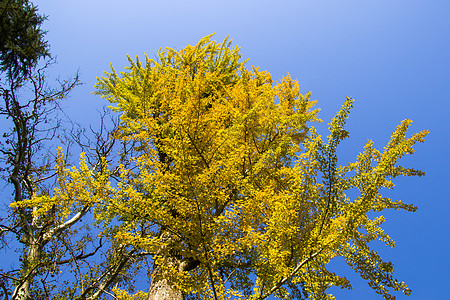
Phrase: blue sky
(393, 57)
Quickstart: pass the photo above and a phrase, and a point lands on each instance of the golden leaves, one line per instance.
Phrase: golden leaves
(76, 189)
(232, 170)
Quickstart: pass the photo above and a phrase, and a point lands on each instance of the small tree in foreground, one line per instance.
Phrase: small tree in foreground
(233, 193)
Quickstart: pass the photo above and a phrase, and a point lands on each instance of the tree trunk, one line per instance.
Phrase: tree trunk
(21, 292)
(160, 289)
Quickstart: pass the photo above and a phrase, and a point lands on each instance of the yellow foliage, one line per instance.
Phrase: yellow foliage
(76, 188)
(124, 295)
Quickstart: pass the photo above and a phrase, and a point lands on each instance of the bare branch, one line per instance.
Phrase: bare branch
(81, 256)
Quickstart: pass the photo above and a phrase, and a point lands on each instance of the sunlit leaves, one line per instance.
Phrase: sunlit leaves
(76, 188)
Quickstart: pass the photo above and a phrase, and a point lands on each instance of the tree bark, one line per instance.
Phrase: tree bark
(160, 289)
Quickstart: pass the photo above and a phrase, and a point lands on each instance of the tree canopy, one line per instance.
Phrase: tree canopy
(22, 41)
(239, 194)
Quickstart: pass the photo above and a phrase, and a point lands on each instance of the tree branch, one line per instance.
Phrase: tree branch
(81, 255)
(66, 224)
(292, 274)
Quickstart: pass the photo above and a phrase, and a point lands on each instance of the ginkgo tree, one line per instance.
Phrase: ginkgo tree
(242, 197)
(231, 191)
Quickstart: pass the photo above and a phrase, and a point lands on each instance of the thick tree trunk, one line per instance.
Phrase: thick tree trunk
(160, 289)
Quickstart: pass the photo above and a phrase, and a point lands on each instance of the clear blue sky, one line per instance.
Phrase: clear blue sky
(393, 56)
